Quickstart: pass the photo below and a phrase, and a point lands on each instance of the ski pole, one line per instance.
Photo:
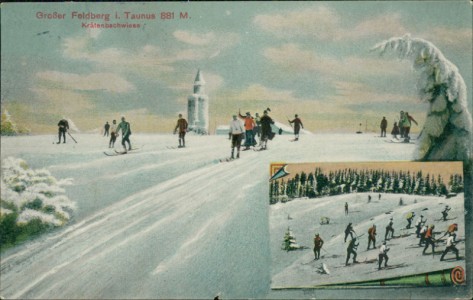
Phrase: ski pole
(71, 137)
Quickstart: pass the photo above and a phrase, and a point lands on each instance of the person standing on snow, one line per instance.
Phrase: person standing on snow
(236, 131)
(351, 249)
(249, 124)
(395, 130)
(402, 119)
(450, 247)
(420, 222)
(389, 229)
(422, 234)
(410, 216)
(113, 134)
(429, 239)
(182, 126)
(257, 129)
(346, 208)
(407, 125)
(318, 243)
(372, 237)
(106, 127)
(63, 127)
(349, 231)
(383, 254)
(445, 213)
(383, 126)
(266, 131)
(297, 126)
(124, 126)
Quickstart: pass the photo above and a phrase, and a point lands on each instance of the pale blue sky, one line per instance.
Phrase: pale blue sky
(310, 58)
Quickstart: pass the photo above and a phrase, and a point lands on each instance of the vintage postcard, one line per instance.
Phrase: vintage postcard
(136, 139)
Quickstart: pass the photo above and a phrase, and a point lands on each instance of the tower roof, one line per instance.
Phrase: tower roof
(199, 79)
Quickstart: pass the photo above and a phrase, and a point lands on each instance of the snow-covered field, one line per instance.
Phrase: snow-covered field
(298, 268)
(167, 223)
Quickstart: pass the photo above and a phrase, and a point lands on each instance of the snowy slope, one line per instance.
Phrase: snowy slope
(298, 269)
(163, 223)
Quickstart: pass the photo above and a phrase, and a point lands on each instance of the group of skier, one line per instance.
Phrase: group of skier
(402, 128)
(423, 232)
(114, 129)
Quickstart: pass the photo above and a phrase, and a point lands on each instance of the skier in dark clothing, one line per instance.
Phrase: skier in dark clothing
(346, 208)
(383, 126)
(124, 126)
(372, 237)
(450, 246)
(106, 127)
(383, 254)
(266, 131)
(369, 198)
(395, 131)
(351, 249)
(389, 229)
(349, 231)
(297, 126)
(182, 127)
(429, 239)
(318, 243)
(63, 127)
(445, 213)
(420, 222)
(410, 216)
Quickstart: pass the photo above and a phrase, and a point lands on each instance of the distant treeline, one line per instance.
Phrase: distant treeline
(320, 184)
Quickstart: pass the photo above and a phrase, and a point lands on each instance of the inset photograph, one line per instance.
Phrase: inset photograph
(367, 224)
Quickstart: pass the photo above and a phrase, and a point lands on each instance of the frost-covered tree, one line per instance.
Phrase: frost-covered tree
(447, 132)
(289, 242)
(8, 126)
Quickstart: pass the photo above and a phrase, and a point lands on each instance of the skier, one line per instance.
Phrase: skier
(451, 229)
(346, 208)
(236, 132)
(407, 125)
(351, 249)
(450, 246)
(383, 254)
(410, 216)
(445, 213)
(395, 130)
(63, 127)
(402, 118)
(379, 197)
(266, 131)
(106, 128)
(372, 237)
(126, 132)
(318, 243)
(182, 126)
(369, 198)
(113, 134)
(420, 222)
(349, 231)
(249, 123)
(257, 129)
(389, 229)
(297, 126)
(422, 233)
(429, 239)
(383, 126)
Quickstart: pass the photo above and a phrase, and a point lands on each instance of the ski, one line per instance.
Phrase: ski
(226, 159)
(399, 142)
(390, 267)
(114, 154)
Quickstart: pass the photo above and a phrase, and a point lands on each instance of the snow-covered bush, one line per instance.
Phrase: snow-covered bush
(31, 201)
(8, 127)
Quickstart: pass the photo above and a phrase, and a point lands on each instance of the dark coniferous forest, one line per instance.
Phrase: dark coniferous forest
(322, 184)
